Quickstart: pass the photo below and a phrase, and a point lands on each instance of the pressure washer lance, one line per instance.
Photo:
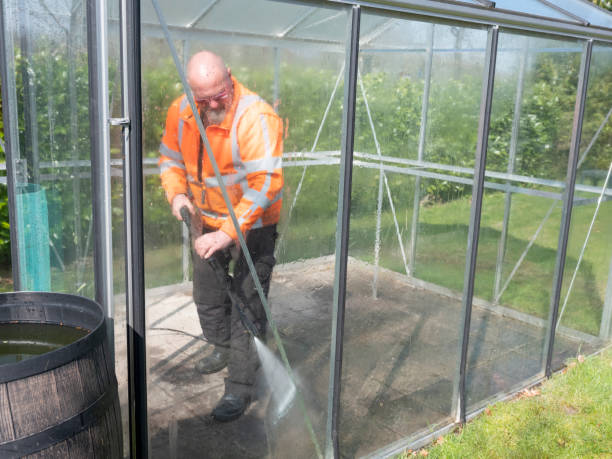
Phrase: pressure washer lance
(282, 387)
(224, 279)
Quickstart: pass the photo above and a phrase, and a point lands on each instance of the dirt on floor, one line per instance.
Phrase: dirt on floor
(400, 353)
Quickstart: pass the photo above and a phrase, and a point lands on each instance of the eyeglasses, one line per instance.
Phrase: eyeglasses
(217, 98)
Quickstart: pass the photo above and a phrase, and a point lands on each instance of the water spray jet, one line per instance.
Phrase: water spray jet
(282, 387)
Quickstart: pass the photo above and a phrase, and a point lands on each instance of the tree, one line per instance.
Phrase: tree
(606, 4)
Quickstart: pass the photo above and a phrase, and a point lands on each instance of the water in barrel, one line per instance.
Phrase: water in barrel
(20, 341)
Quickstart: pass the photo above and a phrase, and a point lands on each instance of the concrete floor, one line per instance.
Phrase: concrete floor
(400, 357)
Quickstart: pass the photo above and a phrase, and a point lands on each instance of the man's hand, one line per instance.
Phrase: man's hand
(209, 243)
(180, 201)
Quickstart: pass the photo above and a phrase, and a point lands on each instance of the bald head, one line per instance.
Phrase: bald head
(211, 85)
(205, 68)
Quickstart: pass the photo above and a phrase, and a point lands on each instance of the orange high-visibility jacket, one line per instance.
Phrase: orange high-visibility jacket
(247, 146)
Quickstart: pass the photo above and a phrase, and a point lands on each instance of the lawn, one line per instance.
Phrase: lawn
(568, 416)
(442, 242)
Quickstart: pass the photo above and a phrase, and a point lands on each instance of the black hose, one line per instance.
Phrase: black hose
(224, 279)
(176, 330)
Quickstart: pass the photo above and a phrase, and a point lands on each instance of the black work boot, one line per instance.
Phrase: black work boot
(215, 361)
(231, 407)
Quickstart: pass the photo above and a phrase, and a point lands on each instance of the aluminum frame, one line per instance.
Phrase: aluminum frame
(566, 216)
(475, 214)
(342, 236)
(100, 160)
(11, 131)
(133, 205)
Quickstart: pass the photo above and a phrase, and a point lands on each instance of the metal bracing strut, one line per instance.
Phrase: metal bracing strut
(382, 179)
(416, 206)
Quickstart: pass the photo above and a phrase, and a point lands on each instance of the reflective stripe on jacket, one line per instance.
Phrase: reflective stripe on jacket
(247, 146)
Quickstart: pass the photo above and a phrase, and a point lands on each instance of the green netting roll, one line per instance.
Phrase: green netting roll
(33, 237)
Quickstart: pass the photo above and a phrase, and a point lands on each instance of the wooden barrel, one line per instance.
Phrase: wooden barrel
(63, 403)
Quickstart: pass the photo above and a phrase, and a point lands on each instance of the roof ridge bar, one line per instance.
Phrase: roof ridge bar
(487, 3)
(300, 20)
(203, 13)
(564, 11)
(476, 14)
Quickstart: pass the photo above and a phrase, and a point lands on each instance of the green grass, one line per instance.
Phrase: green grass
(442, 245)
(568, 416)
(442, 242)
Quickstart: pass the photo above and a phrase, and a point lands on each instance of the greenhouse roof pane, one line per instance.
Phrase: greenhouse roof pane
(254, 16)
(182, 17)
(407, 34)
(329, 24)
(532, 7)
(398, 33)
(587, 11)
(62, 7)
(327, 21)
(46, 18)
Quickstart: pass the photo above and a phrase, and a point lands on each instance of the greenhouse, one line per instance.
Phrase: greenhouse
(442, 240)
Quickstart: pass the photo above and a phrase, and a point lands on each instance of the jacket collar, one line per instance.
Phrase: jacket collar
(187, 113)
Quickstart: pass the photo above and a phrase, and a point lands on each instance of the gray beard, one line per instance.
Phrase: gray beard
(210, 117)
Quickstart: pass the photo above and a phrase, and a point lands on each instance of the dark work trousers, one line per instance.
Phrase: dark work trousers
(220, 321)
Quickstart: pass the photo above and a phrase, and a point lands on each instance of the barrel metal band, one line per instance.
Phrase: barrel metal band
(60, 432)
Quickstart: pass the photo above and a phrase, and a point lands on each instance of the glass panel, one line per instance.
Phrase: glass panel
(587, 11)
(532, 7)
(321, 25)
(49, 96)
(256, 16)
(451, 134)
(402, 325)
(395, 33)
(189, 11)
(530, 129)
(585, 308)
(53, 186)
(163, 240)
(304, 84)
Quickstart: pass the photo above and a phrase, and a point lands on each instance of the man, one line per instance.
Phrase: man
(246, 139)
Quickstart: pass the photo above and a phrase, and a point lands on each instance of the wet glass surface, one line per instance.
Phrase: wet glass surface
(585, 308)
(528, 150)
(288, 409)
(53, 175)
(418, 98)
